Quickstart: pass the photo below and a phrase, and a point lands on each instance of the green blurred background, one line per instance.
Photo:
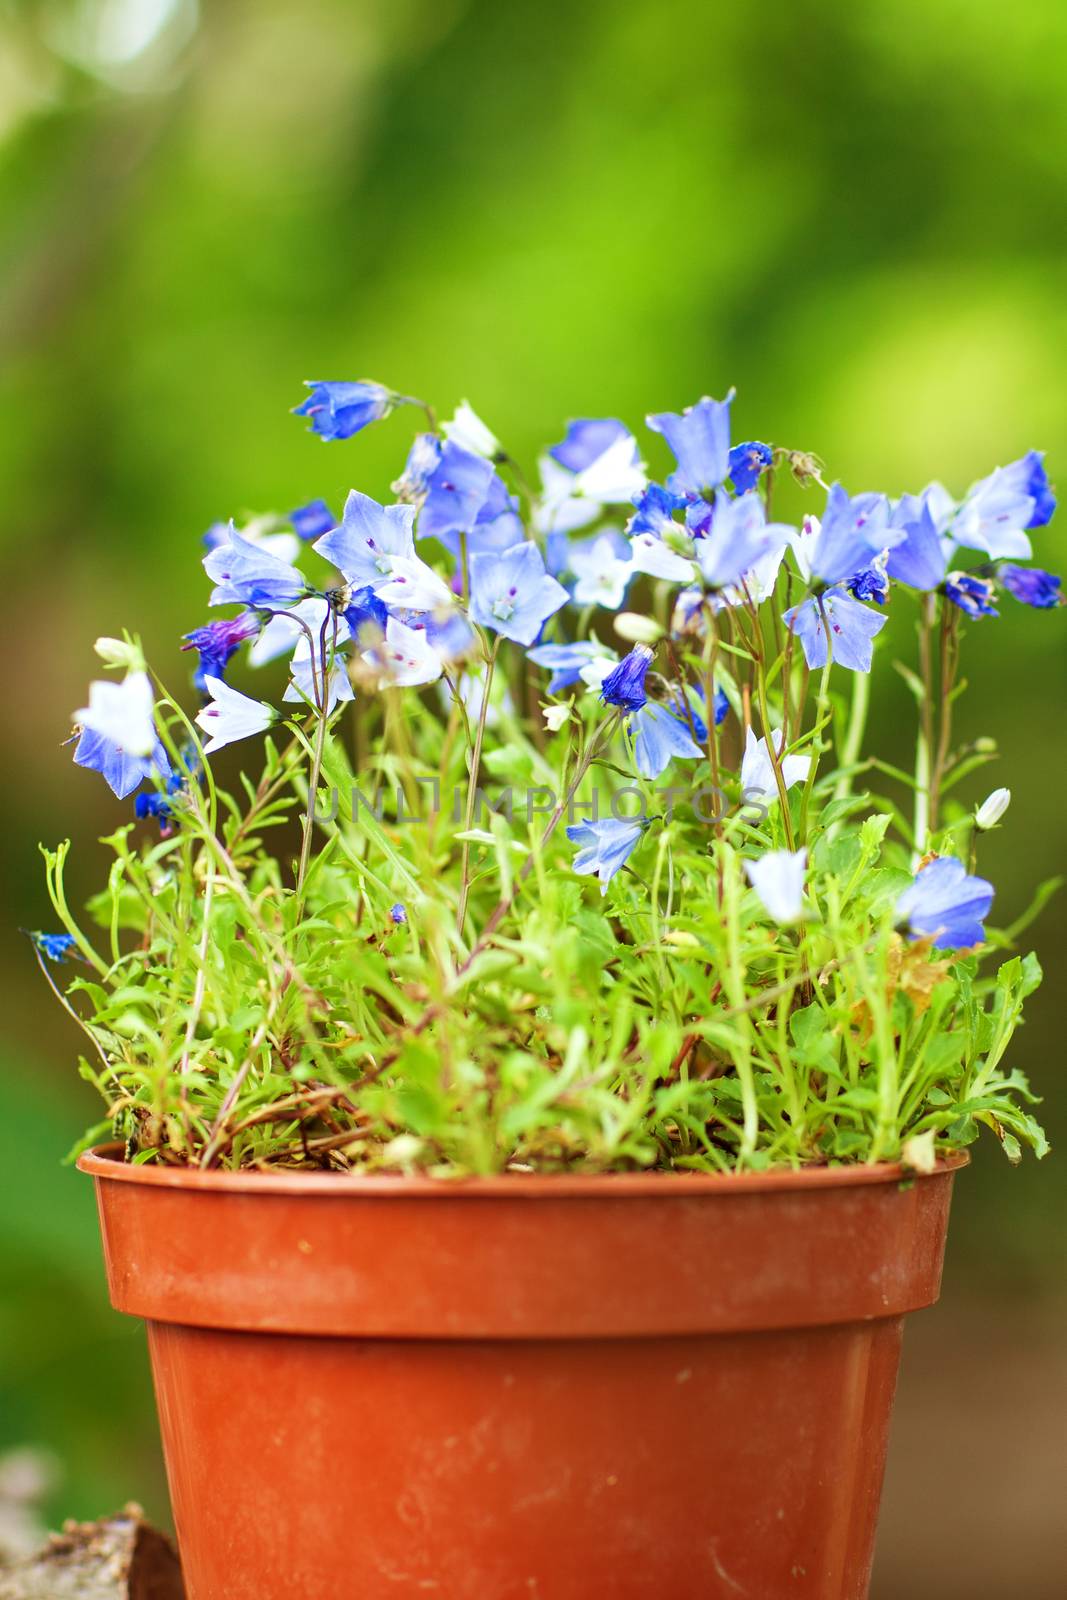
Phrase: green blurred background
(856, 214)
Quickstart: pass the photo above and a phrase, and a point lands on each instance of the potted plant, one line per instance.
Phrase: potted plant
(535, 1091)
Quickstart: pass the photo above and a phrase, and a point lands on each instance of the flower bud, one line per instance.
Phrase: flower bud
(120, 653)
(992, 809)
(637, 629)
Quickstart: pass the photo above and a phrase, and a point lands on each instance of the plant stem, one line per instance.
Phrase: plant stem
(472, 787)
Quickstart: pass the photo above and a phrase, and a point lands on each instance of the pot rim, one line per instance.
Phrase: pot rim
(103, 1162)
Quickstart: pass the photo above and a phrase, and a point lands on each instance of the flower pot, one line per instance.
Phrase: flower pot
(524, 1388)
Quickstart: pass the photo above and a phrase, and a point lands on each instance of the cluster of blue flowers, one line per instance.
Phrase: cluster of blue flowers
(598, 525)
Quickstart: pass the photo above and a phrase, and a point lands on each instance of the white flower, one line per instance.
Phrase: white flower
(305, 685)
(602, 575)
(555, 716)
(559, 510)
(405, 658)
(658, 560)
(778, 879)
(758, 783)
(283, 632)
(122, 713)
(595, 671)
(231, 715)
(469, 432)
(992, 809)
(414, 586)
(120, 653)
(615, 476)
(635, 628)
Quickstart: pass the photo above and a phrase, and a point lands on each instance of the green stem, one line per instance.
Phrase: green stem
(472, 788)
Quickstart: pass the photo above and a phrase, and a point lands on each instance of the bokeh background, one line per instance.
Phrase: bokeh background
(855, 213)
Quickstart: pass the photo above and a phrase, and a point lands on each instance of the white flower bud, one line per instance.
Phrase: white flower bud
(637, 629)
(992, 809)
(919, 1152)
(119, 653)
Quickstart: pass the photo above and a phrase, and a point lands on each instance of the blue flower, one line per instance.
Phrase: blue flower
(369, 540)
(699, 439)
(565, 661)
(625, 684)
(398, 914)
(150, 804)
(870, 584)
(853, 528)
(747, 463)
(972, 594)
(56, 946)
(246, 574)
(218, 641)
(512, 594)
(852, 629)
(947, 905)
(604, 846)
(309, 521)
(586, 440)
(737, 538)
(919, 560)
(692, 717)
(654, 511)
(120, 770)
(659, 735)
(996, 511)
(306, 683)
(455, 492)
(364, 607)
(1031, 585)
(338, 410)
(1029, 475)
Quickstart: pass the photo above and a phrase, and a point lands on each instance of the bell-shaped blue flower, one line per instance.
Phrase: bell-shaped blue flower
(121, 771)
(1031, 585)
(852, 628)
(512, 594)
(748, 462)
(738, 536)
(1029, 476)
(854, 527)
(604, 846)
(699, 439)
(920, 559)
(658, 736)
(946, 904)
(246, 574)
(339, 410)
(369, 540)
(625, 684)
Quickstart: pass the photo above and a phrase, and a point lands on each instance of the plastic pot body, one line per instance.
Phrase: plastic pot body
(605, 1388)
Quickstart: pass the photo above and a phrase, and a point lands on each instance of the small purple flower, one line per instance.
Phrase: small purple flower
(339, 410)
(512, 594)
(604, 846)
(586, 440)
(309, 521)
(218, 641)
(625, 684)
(851, 626)
(699, 439)
(56, 946)
(946, 904)
(973, 595)
(1031, 585)
(398, 914)
(747, 464)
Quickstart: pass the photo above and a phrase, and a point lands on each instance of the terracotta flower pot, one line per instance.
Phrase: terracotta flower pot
(524, 1388)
